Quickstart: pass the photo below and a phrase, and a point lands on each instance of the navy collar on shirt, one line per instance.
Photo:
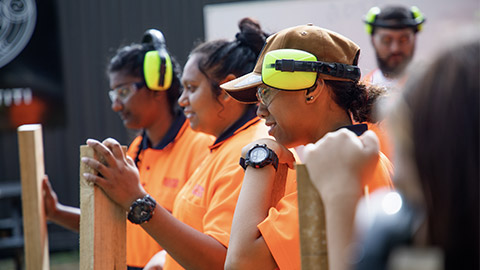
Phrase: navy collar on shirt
(358, 129)
(169, 137)
(249, 114)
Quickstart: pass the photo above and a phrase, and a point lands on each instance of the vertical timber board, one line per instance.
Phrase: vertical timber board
(313, 237)
(102, 225)
(32, 170)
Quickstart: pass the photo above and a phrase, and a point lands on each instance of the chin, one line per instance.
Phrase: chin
(286, 143)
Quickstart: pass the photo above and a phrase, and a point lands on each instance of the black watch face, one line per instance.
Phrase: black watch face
(258, 154)
(139, 212)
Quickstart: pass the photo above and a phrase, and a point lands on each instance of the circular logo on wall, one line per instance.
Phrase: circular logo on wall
(17, 22)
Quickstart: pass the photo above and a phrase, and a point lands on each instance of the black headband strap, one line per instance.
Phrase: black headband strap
(333, 69)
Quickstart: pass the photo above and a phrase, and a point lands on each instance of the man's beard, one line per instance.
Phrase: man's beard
(393, 72)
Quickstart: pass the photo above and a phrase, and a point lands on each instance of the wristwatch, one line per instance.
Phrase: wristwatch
(259, 156)
(142, 210)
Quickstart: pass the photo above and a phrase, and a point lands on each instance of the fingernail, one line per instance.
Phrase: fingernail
(84, 159)
(85, 175)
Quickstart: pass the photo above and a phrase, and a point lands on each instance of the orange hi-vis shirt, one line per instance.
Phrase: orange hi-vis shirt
(281, 230)
(163, 169)
(207, 202)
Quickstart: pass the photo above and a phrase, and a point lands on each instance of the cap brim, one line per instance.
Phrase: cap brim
(244, 89)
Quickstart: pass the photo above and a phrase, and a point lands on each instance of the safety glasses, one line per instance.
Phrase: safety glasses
(266, 94)
(124, 91)
(292, 69)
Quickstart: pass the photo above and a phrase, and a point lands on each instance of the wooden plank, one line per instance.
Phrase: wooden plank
(313, 237)
(102, 225)
(278, 191)
(32, 170)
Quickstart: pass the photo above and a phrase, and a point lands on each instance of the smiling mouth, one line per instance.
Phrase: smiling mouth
(271, 125)
(188, 114)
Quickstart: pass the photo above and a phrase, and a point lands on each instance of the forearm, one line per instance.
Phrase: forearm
(67, 216)
(247, 248)
(190, 248)
(340, 215)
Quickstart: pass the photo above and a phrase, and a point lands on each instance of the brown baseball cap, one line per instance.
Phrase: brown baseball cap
(326, 45)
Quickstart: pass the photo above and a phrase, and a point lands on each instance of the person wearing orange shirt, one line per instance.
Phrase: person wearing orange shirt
(166, 152)
(307, 82)
(196, 234)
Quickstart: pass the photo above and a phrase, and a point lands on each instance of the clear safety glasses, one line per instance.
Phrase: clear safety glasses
(124, 91)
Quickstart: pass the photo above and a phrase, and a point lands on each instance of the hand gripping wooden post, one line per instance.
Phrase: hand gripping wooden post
(102, 225)
(32, 170)
(313, 237)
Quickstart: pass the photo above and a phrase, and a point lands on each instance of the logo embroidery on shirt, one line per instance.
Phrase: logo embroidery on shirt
(198, 190)
(170, 182)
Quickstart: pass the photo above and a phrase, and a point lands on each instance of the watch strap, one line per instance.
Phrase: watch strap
(272, 159)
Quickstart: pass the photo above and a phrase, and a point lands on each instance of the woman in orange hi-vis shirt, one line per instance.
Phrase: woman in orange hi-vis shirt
(197, 232)
(166, 152)
(307, 82)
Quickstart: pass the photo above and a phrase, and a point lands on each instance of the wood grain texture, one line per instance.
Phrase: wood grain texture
(102, 225)
(32, 170)
(313, 236)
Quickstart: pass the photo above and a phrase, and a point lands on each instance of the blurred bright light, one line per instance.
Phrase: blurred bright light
(391, 203)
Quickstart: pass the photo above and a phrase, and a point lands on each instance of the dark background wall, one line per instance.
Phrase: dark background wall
(87, 33)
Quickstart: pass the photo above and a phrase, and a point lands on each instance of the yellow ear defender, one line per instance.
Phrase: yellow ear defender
(411, 18)
(157, 65)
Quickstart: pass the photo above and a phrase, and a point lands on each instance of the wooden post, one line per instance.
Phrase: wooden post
(313, 237)
(102, 225)
(278, 191)
(32, 170)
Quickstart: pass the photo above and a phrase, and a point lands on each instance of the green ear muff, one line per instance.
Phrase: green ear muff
(276, 78)
(418, 16)
(157, 65)
(370, 19)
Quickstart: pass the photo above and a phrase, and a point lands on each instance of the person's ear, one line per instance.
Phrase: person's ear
(311, 96)
(228, 78)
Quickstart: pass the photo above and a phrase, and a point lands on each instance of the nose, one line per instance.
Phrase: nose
(395, 46)
(117, 105)
(183, 99)
(262, 111)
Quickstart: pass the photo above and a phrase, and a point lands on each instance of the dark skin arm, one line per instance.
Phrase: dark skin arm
(247, 248)
(66, 216)
(120, 181)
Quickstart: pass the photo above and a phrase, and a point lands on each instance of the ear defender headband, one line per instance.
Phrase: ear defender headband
(415, 21)
(292, 69)
(157, 65)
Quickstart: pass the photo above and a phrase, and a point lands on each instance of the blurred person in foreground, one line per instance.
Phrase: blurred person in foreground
(435, 125)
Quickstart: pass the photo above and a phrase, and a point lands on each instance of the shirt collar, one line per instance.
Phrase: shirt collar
(358, 129)
(247, 119)
(169, 137)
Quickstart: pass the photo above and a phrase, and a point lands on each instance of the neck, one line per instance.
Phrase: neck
(336, 121)
(157, 131)
(228, 119)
